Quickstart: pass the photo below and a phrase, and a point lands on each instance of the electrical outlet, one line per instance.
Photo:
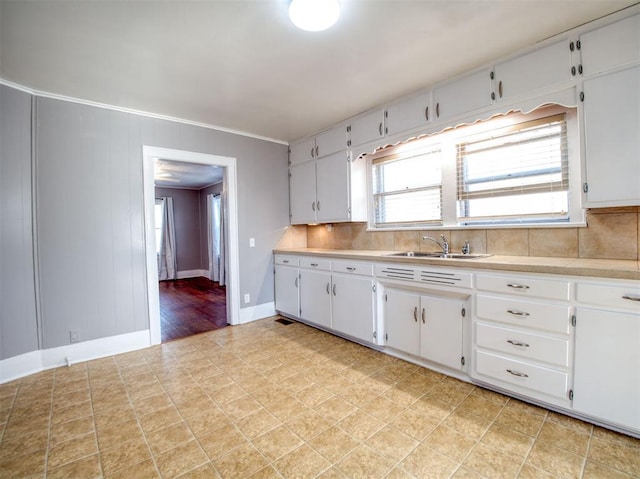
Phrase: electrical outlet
(252, 242)
(74, 336)
(247, 298)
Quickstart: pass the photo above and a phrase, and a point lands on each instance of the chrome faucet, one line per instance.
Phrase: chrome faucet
(444, 245)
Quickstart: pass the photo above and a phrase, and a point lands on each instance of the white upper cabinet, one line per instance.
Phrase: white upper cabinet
(409, 113)
(324, 143)
(610, 46)
(332, 183)
(521, 76)
(366, 128)
(612, 142)
(462, 95)
(302, 190)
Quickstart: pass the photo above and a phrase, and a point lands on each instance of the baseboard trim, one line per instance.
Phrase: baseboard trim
(36, 361)
(193, 273)
(254, 313)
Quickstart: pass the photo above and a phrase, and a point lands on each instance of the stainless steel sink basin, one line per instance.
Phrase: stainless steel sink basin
(421, 254)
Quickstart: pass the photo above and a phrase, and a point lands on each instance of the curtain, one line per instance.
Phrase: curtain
(216, 238)
(167, 261)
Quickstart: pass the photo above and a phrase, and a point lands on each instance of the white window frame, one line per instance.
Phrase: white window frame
(448, 139)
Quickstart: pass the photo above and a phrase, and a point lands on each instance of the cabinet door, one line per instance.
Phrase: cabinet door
(441, 330)
(332, 179)
(353, 306)
(366, 128)
(331, 141)
(607, 366)
(287, 282)
(409, 113)
(302, 151)
(612, 142)
(315, 297)
(539, 69)
(611, 46)
(463, 95)
(302, 193)
(402, 321)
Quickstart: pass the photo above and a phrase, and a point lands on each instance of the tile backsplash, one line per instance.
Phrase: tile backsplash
(612, 233)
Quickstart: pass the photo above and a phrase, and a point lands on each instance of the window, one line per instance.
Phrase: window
(159, 215)
(512, 169)
(407, 188)
(513, 173)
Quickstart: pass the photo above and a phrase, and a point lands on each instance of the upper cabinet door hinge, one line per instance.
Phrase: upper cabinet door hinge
(375, 335)
(373, 288)
(462, 361)
(570, 394)
(585, 187)
(463, 312)
(582, 96)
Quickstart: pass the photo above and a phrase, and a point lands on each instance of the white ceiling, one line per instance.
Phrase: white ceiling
(176, 174)
(242, 65)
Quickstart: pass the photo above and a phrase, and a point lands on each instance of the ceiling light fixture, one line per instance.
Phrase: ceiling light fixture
(314, 15)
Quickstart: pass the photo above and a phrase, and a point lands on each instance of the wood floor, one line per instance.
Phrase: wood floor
(191, 306)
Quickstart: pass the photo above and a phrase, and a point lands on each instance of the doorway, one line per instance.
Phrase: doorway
(150, 155)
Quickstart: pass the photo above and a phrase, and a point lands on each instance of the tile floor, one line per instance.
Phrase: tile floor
(266, 400)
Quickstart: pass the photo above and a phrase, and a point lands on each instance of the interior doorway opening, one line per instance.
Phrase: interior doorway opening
(230, 233)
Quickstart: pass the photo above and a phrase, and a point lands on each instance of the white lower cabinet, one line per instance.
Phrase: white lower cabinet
(353, 306)
(426, 326)
(286, 286)
(607, 353)
(315, 297)
(522, 336)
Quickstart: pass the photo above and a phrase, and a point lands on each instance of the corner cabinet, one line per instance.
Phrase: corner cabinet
(607, 356)
(610, 63)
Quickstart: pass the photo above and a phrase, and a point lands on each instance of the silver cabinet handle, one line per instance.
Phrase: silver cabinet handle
(285, 261)
(328, 292)
(517, 343)
(314, 264)
(517, 373)
(517, 286)
(517, 313)
(312, 152)
(426, 113)
(334, 289)
(380, 128)
(313, 206)
(350, 268)
(317, 151)
(423, 315)
(318, 205)
(415, 314)
(296, 282)
(631, 298)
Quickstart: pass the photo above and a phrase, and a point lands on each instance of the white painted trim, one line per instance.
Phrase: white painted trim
(260, 311)
(150, 153)
(54, 96)
(36, 361)
(193, 273)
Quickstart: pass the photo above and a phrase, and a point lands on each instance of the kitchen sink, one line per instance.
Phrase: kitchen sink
(422, 254)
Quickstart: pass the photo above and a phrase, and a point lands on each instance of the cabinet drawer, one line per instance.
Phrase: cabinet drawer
(524, 286)
(287, 260)
(522, 374)
(316, 263)
(526, 314)
(352, 267)
(525, 345)
(615, 296)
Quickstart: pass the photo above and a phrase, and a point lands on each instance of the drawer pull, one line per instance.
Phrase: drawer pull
(517, 313)
(517, 373)
(285, 261)
(314, 264)
(350, 268)
(517, 286)
(631, 298)
(517, 343)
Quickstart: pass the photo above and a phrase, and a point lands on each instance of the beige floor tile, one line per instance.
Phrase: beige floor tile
(302, 462)
(194, 405)
(425, 462)
(593, 470)
(490, 462)
(451, 391)
(226, 393)
(114, 434)
(557, 462)
(287, 409)
(162, 440)
(432, 408)
(414, 424)
(364, 463)
(147, 405)
(465, 473)
(266, 473)
(73, 411)
(562, 437)
(308, 424)
(313, 395)
(22, 465)
(392, 443)
(86, 468)
(449, 443)
(521, 421)
(335, 409)
(110, 417)
(71, 429)
(277, 442)
(258, 423)
(333, 444)
(480, 406)
(383, 408)
(467, 424)
(508, 441)
(221, 441)
(208, 421)
(123, 455)
(71, 451)
(206, 471)
(569, 422)
(182, 459)
(618, 455)
(240, 462)
(239, 408)
(159, 419)
(530, 472)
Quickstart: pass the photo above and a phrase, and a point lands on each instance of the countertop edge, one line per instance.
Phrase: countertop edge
(599, 268)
